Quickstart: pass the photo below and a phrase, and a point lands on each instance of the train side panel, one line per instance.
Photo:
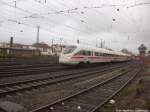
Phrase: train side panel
(77, 54)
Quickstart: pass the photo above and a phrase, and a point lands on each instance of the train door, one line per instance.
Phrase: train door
(87, 55)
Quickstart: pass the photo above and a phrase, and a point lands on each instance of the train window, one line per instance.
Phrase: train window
(96, 53)
(69, 49)
(80, 53)
(83, 52)
(106, 54)
(88, 53)
(112, 55)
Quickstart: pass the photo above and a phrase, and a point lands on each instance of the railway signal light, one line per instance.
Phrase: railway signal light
(79, 107)
(112, 101)
(118, 9)
(51, 108)
(82, 12)
(82, 21)
(114, 19)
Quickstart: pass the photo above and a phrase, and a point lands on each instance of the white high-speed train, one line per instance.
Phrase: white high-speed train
(75, 54)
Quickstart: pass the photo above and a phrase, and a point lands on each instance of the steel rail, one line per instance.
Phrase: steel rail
(11, 74)
(116, 92)
(61, 102)
(31, 71)
(14, 67)
(30, 84)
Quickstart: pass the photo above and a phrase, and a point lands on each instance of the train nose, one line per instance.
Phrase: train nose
(64, 59)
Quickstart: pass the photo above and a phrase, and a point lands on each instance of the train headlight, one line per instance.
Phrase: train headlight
(68, 57)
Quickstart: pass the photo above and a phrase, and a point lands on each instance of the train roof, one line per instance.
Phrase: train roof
(98, 49)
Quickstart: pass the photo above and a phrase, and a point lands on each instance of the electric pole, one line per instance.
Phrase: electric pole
(101, 44)
(38, 29)
(78, 41)
(52, 45)
(15, 4)
(11, 46)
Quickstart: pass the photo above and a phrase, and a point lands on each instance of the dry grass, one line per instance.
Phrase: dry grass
(130, 97)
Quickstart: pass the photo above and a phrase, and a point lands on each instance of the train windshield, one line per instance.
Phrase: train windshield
(69, 49)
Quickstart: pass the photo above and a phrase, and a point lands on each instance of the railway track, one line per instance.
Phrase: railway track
(20, 86)
(15, 67)
(92, 98)
(35, 70)
(4, 80)
(23, 66)
(18, 62)
(31, 70)
(23, 62)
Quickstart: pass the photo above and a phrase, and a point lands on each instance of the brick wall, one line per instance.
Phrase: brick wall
(148, 61)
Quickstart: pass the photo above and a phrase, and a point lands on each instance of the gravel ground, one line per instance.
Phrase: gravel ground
(131, 98)
(38, 97)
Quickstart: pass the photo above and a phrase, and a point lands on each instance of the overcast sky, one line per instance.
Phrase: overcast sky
(120, 23)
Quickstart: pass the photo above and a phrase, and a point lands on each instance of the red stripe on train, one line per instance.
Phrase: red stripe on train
(78, 57)
(100, 57)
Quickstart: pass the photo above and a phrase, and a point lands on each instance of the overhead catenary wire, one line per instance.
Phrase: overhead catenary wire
(75, 15)
(79, 19)
(50, 20)
(69, 10)
(105, 5)
(67, 26)
(113, 5)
